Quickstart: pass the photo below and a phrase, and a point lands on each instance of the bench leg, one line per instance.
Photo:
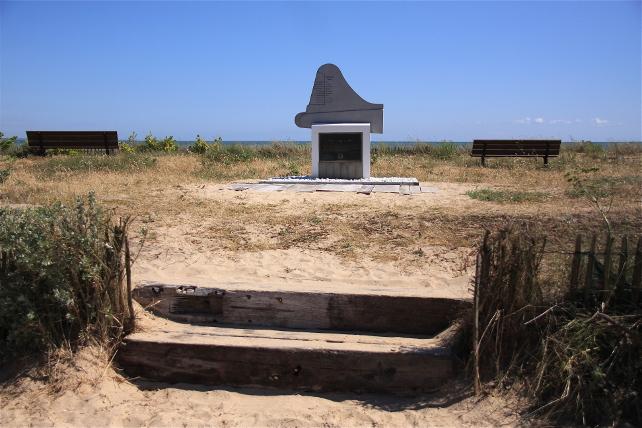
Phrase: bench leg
(483, 161)
(545, 160)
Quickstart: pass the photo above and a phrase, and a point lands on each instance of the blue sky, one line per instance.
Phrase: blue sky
(443, 70)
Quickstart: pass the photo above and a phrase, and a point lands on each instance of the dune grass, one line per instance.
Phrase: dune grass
(503, 196)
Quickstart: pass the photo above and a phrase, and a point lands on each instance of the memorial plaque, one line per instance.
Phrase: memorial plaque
(340, 147)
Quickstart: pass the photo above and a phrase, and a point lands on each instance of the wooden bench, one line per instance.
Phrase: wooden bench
(515, 148)
(40, 141)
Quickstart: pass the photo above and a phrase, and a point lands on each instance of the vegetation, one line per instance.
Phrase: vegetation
(503, 196)
(576, 350)
(62, 278)
(127, 162)
(6, 144)
(151, 144)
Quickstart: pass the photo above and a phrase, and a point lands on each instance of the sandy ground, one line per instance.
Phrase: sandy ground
(185, 252)
(89, 392)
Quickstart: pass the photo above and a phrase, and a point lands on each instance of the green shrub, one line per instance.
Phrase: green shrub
(201, 146)
(151, 144)
(7, 144)
(503, 196)
(122, 162)
(168, 144)
(4, 174)
(130, 145)
(61, 278)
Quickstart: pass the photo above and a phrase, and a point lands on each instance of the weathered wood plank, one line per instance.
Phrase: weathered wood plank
(375, 313)
(290, 360)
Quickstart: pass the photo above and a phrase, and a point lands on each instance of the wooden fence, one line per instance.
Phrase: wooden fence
(611, 274)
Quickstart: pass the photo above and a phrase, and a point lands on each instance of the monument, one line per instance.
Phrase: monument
(341, 122)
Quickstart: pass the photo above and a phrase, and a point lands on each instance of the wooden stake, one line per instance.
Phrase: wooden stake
(636, 281)
(128, 273)
(607, 290)
(479, 274)
(621, 269)
(575, 266)
(588, 285)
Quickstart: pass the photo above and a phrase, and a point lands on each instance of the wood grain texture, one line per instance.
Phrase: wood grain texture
(317, 361)
(305, 310)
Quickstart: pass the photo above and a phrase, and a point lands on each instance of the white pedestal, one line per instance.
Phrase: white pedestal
(342, 128)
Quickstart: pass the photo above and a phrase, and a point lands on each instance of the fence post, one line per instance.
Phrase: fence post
(621, 269)
(606, 273)
(575, 266)
(481, 273)
(588, 284)
(636, 281)
(128, 274)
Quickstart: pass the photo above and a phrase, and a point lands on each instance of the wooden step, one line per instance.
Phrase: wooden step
(304, 310)
(290, 359)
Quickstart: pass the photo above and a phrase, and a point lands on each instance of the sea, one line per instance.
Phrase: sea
(187, 143)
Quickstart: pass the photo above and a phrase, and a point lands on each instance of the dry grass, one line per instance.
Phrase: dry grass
(161, 194)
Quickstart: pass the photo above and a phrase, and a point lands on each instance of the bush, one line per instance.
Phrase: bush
(130, 145)
(201, 146)
(61, 278)
(7, 144)
(168, 145)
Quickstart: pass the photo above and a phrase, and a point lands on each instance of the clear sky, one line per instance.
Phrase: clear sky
(443, 70)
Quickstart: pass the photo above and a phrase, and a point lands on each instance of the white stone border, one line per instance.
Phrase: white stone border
(363, 128)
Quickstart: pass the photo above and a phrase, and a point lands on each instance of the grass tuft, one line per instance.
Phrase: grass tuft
(122, 162)
(504, 196)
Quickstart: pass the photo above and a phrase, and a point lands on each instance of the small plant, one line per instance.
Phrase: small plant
(151, 143)
(130, 145)
(6, 144)
(503, 196)
(4, 174)
(168, 144)
(200, 146)
(584, 183)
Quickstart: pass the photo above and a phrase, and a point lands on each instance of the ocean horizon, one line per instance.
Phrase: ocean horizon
(186, 143)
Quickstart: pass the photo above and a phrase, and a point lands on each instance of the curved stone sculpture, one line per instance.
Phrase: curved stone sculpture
(334, 101)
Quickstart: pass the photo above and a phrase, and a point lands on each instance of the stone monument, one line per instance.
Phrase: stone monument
(341, 122)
